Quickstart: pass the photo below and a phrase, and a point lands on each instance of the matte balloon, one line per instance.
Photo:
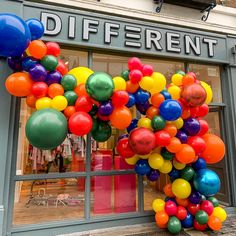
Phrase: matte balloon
(182, 202)
(174, 145)
(151, 112)
(178, 165)
(153, 175)
(69, 111)
(103, 132)
(159, 82)
(166, 167)
(62, 67)
(134, 63)
(171, 129)
(121, 117)
(53, 48)
(141, 96)
(43, 103)
(163, 138)
(166, 154)
(170, 110)
(188, 221)
(28, 62)
(37, 49)
(59, 103)
(161, 218)
(38, 73)
(157, 99)
(39, 89)
(177, 79)
(53, 77)
(146, 83)
(125, 75)
(186, 154)
(214, 223)
(198, 144)
(71, 97)
(36, 28)
(142, 167)
(120, 98)
(133, 125)
(168, 190)
(220, 213)
(15, 63)
(131, 101)
(198, 226)
(158, 205)
(181, 188)
(119, 83)
(49, 62)
(132, 160)
(123, 148)
(178, 123)
(55, 90)
(174, 92)
(188, 79)
(130, 87)
(203, 110)
(31, 100)
(147, 70)
(204, 127)
(135, 76)
(191, 126)
(142, 108)
(155, 160)
(46, 129)
(83, 103)
(174, 225)
(145, 123)
(201, 217)
(209, 92)
(80, 90)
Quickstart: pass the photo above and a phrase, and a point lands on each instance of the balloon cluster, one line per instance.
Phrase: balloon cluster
(171, 136)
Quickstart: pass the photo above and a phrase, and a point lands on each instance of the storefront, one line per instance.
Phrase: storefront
(87, 185)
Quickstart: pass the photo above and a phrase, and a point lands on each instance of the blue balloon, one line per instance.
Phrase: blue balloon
(182, 136)
(142, 108)
(195, 197)
(206, 182)
(36, 28)
(142, 167)
(170, 110)
(166, 94)
(199, 164)
(141, 96)
(122, 136)
(28, 63)
(170, 199)
(15, 63)
(14, 35)
(188, 221)
(174, 174)
(191, 126)
(131, 101)
(133, 125)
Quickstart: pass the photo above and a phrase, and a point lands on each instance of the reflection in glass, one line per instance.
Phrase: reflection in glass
(214, 123)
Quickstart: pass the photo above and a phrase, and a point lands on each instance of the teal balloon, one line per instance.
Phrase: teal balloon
(214, 201)
(46, 129)
(100, 86)
(68, 82)
(180, 72)
(166, 154)
(49, 62)
(174, 225)
(103, 132)
(158, 123)
(125, 75)
(71, 97)
(201, 217)
(187, 173)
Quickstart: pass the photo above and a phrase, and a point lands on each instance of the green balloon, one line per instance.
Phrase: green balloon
(166, 154)
(68, 82)
(94, 110)
(180, 72)
(49, 62)
(174, 225)
(71, 97)
(187, 173)
(95, 124)
(103, 132)
(46, 129)
(158, 123)
(100, 86)
(125, 75)
(214, 201)
(201, 217)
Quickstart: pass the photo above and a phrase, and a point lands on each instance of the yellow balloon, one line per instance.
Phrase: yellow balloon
(174, 92)
(27, 52)
(178, 165)
(156, 161)
(120, 83)
(144, 156)
(166, 167)
(177, 79)
(43, 103)
(145, 123)
(59, 103)
(81, 74)
(158, 205)
(132, 160)
(146, 83)
(181, 188)
(178, 123)
(159, 82)
(209, 92)
(220, 213)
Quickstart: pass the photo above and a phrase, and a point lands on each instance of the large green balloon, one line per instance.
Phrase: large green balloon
(46, 129)
(174, 225)
(102, 133)
(100, 86)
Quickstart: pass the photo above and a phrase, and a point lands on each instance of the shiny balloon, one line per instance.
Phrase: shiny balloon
(123, 148)
(142, 108)
(105, 108)
(53, 48)
(174, 225)
(15, 63)
(199, 164)
(49, 62)
(36, 28)
(71, 97)
(53, 77)
(131, 101)
(188, 221)
(38, 73)
(182, 136)
(142, 167)
(153, 175)
(191, 126)
(195, 197)
(133, 125)
(28, 63)
(103, 132)
(170, 110)
(141, 96)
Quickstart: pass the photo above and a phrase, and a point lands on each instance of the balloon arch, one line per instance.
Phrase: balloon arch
(171, 137)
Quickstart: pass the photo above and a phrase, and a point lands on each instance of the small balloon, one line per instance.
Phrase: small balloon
(38, 73)
(36, 28)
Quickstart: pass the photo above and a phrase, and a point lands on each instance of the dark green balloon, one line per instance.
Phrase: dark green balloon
(180, 72)
(125, 75)
(49, 62)
(166, 154)
(95, 125)
(158, 123)
(187, 173)
(71, 97)
(68, 82)
(174, 225)
(94, 110)
(100, 86)
(103, 132)
(46, 129)
(201, 217)
(214, 201)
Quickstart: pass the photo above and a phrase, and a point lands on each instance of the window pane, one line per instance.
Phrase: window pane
(214, 123)
(48, 200)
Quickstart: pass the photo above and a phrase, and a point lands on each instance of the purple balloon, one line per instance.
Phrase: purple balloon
(153, 175)
(191, 126)
(15, 63)
(182, 136)
(38, 73)
(122, 136)
(105, 109)
(142, 108)
(195, 197)
(53, 77)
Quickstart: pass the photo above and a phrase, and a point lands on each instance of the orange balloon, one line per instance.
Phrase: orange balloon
(164, 226)
(37, 49)
(168, 190)
(121, 117)
(31, 100)
(186, 155)
(174, 146)
(69, 111)
(215, 149)
(19, 84)
(161, 218)
(171, 129)
(185, 113)
(130, 87)
(188, 79)
(182, 202)
(80, 90)
(157, 99)
(55, 90)
(151, 112)
(214, 223)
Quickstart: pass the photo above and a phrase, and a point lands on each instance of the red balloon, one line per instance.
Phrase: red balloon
(197, 143)
(193, 75)
(170, 208)
(207, 206)
(193, 208)
(181, 213)
(203, 110)
(194, 111)
(39, 89)
(147, 70)
(124, 149)
(163, 138)
(203, 127)
(104, 118)
(80, 123)
(53, 49)
(199, 227)
(120, 98)
(135, 76)
(142, 141)
(135, 63)
(83, 103)
(62, 67)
